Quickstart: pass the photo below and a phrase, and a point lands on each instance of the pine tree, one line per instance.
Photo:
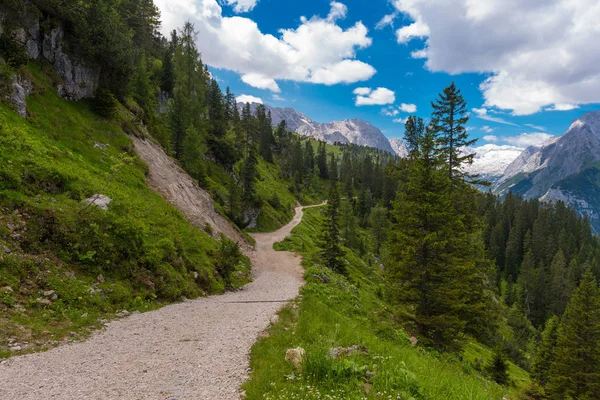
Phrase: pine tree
(378, 221)
(266, 136)
(144, 93)
(575, 373)
(230, 104)
(414, 129)
(420, 261)
(349, 225)
(234, 209)
(331, 252)
(322, 161)
(333, 168)
(309, 159)
(167, 83)
(448, 122)
(526, 283)
(281, 135)
(249, 175)
(191, 158)
(546, 351)
(297, 165)
(247, 124)
(498, 367)
(561, 287)
(216, 110)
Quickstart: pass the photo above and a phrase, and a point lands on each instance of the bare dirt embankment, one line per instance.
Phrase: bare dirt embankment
(178, 188)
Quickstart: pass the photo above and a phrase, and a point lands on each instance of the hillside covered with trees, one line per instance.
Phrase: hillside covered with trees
(506, 289)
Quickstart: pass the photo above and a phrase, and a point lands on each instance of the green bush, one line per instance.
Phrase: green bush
(226, 258)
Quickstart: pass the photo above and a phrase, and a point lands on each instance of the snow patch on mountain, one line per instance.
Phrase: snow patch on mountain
(491, 160)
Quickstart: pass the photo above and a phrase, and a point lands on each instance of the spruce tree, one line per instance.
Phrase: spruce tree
(414, 129)
(333, 168)
(498, 367)
(561, 287)
(348, 224)
(309, 158)
(216, 110)
(266, 137)
(230, 104)
(420, 261)
(448, 122)
(322, 161)
(234, 209)
(575, 372)
(378, 222)
(546, 351)
(167, 82)
(249, 175)
(331, 252)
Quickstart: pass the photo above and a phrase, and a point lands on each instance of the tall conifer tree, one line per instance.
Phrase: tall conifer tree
(575, 372)
(448, 122)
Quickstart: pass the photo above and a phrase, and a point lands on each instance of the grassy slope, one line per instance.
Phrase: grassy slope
(278, 200)
(346, 312)
(145, 251)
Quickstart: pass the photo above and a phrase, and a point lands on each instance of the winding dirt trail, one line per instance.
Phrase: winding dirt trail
(197, 349)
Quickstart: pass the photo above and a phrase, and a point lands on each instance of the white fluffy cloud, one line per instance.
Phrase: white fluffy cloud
(387, 20)
(370, 97)
(317, 51)
(246, 98)
(401, 120)
(261, 82)
(540, 53)
(408, 108)
(562, 107)
(241, 6)
(390, 111)
(487, 129)
(490, 138)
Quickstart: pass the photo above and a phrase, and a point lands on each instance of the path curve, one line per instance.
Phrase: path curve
(197, 349)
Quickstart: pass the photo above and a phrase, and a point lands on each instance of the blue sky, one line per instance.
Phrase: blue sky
(332, 48)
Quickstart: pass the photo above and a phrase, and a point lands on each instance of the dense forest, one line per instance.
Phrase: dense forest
(517, 275)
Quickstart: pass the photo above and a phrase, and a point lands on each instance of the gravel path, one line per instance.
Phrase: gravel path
(192, 350)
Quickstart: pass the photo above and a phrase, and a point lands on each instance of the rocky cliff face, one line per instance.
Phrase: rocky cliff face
(79, 80)
(399, 147)
(355, 131)
(565, 169)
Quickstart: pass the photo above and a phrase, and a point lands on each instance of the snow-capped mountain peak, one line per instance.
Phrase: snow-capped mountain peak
(354, 131)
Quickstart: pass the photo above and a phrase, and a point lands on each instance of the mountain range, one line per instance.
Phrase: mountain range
(355, 131)
(566, 168)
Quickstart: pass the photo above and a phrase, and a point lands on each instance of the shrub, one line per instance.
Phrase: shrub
(226, 258)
